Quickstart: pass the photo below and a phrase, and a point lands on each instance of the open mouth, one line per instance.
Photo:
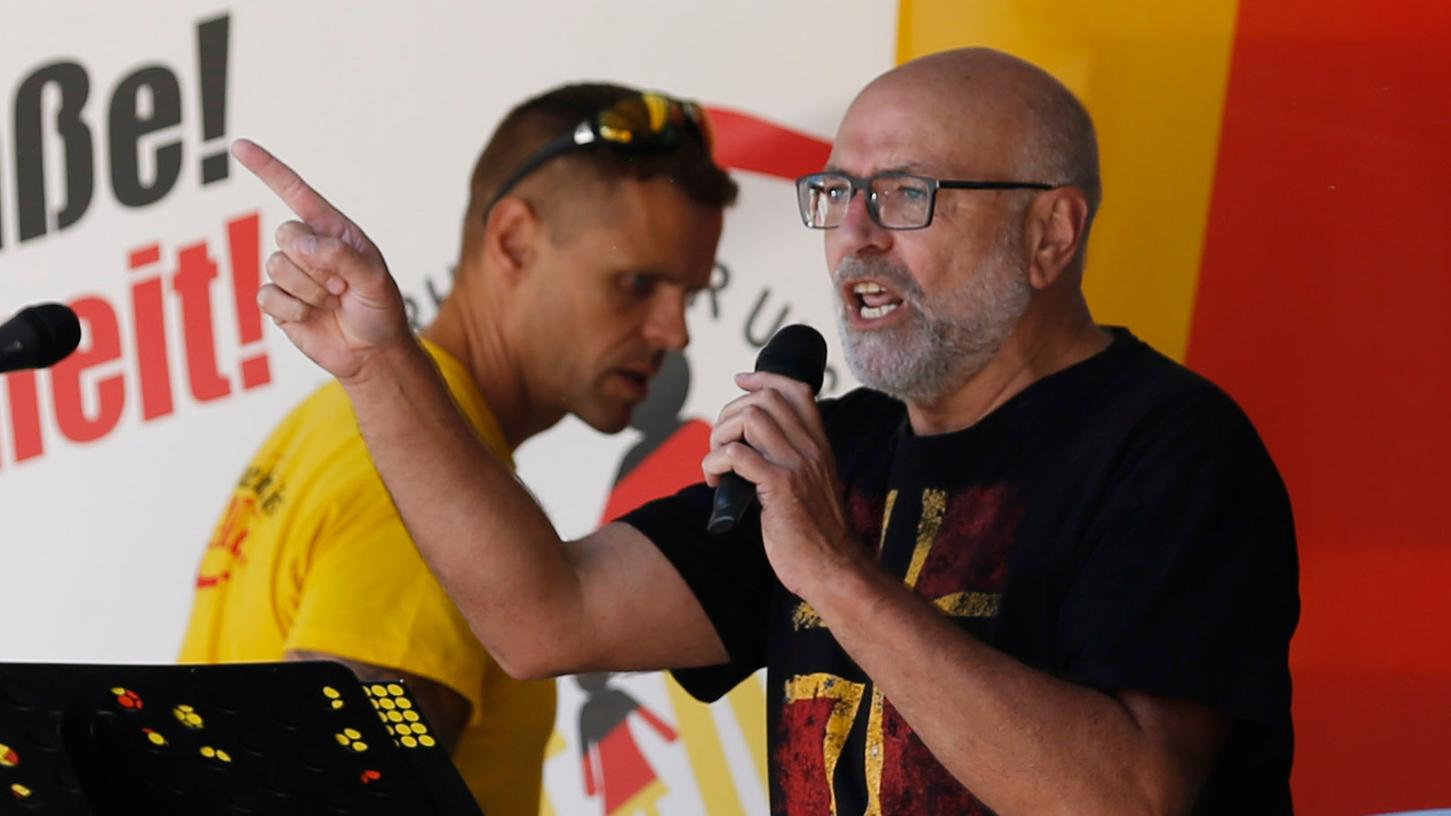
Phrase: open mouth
(871, 301)
(636, 381)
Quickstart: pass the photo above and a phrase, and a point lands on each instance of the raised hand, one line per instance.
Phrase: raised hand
(331, 293)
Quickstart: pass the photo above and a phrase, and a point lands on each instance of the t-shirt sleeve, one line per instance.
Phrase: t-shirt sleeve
(368, 596)
(728, 574)
(1188, 585)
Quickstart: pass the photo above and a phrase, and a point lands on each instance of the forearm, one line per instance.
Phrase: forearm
(483, 535)
(1021, 740)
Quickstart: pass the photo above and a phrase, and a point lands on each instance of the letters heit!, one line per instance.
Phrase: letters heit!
(89, 388)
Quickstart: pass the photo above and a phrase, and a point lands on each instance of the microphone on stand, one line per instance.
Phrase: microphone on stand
(796, 351)
(38, 337)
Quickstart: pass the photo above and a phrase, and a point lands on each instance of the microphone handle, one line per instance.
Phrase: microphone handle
(733, 496)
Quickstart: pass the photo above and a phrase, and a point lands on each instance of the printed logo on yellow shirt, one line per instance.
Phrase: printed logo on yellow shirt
(259, 490)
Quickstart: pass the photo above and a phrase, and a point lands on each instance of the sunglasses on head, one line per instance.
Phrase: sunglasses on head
(644, 121)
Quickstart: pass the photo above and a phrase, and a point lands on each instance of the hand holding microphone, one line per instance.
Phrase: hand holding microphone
(796, 351)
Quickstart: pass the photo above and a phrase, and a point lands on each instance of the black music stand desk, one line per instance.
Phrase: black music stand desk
(303, 737)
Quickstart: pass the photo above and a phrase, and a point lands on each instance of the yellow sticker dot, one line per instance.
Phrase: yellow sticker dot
(208, 751)
(405, 703)
(390, 730)
(426, 741)
(367, 691)
(337, 704)
(352, 733)
(379, 690)
(342, 740)
(331, 693)
(223, 756)
(20, 791)
(8, 757)
(410, 742)
(395, 689)
(187, 716)
(420, 728)
(394, 716)
(156, 739)
(360, 747)
(411, 716)
(387, 704)
(118, 690)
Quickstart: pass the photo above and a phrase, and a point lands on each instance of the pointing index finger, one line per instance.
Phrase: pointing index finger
(309, 205)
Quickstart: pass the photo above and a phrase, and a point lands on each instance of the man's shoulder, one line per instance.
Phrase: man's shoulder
(319, 440)
(324, 416)
(1146, 383)
(1151, 409)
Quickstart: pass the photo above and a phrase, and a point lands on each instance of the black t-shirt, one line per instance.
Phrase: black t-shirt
(1118, 524)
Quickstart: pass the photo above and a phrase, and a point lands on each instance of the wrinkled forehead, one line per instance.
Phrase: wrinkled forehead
(931, 130)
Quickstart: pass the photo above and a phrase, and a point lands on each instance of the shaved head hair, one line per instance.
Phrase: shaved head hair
(574, 186)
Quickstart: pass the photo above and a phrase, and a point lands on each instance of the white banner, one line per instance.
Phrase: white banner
(117, 197)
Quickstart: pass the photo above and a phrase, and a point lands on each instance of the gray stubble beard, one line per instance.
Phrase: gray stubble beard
(943, 345)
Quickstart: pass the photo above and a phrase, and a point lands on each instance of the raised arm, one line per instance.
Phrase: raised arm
(539, 605)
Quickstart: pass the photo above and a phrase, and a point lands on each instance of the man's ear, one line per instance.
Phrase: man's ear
(511, 235)
(1057, 223)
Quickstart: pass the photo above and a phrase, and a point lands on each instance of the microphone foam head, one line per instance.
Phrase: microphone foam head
(796, 351)
(57, 330)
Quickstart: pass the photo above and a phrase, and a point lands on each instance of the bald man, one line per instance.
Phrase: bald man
(1033, 567)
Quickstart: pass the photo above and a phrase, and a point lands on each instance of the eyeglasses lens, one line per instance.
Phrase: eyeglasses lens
(900, 202)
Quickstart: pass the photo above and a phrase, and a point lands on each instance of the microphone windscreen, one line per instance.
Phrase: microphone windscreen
(796, 351)
(38, 336)
(57, 330)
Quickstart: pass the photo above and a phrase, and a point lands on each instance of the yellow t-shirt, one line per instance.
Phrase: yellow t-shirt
(311, 555)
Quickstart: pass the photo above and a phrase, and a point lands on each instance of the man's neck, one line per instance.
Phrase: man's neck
(479, 342)
(1041, 345)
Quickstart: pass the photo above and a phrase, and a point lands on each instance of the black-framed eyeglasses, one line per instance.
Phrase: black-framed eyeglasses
(644, 121)
(896, 201)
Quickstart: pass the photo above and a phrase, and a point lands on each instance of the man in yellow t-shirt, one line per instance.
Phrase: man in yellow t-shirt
(594, 214)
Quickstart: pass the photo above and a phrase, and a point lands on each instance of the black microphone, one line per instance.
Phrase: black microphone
(799, 352)
(38, 337)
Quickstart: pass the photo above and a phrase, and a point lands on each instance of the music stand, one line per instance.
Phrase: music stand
(299, 737)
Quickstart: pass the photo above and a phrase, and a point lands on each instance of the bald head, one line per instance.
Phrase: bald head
(992, 270)
(989, 112)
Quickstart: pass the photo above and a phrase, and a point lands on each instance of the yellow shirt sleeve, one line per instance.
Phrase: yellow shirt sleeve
(369, 596)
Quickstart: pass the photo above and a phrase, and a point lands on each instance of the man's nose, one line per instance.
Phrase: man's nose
(665, 327)
(858, 231)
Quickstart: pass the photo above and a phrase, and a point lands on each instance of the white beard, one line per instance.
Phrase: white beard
(942, 344)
